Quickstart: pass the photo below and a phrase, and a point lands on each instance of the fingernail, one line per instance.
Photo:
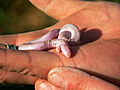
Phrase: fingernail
(56, 79)
(45, 86)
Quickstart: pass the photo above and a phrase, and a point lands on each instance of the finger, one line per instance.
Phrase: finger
(37, 63)
(59, 9)
(45, 85)
(86, 58)
(28, 62)
(22, 37)
(16, 78)
(74, 79)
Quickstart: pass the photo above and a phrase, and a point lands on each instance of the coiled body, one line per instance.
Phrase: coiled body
(59, 39)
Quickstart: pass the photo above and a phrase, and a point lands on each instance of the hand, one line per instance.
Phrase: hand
(98, 55)
(64, 78)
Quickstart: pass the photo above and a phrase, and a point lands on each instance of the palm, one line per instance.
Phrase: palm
(100, 35)
(98, 53)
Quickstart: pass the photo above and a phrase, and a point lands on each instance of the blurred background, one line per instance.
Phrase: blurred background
(18, 16)
(21, 16)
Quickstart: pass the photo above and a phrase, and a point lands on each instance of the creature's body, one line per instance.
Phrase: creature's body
(59, 39)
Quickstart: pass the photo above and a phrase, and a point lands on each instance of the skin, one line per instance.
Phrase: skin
(98, 55)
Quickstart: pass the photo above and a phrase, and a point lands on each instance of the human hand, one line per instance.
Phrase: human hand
(65, 78)
(98, 57)
(100, 34)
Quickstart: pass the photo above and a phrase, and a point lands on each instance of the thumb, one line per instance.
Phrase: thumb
(74, 79)
(45, 85)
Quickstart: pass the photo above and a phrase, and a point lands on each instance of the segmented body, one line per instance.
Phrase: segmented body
(59, 39)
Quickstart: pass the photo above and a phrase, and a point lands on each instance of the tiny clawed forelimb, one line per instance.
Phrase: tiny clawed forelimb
(60, 39)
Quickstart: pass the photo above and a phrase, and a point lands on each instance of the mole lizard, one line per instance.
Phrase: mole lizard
(60, 39)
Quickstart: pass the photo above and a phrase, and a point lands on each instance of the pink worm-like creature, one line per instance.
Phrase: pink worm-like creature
(69, 34)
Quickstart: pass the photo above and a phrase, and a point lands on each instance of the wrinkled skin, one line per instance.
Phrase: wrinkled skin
(98, 54)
